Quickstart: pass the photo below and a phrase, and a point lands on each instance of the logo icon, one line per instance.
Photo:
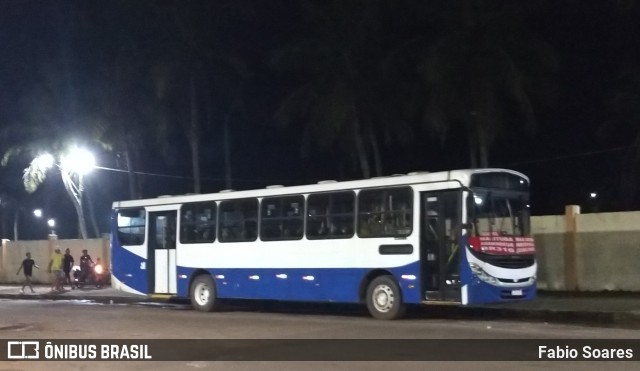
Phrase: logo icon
(23, 350)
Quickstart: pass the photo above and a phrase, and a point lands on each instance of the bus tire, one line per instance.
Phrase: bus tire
(384, 298)
(203, 293)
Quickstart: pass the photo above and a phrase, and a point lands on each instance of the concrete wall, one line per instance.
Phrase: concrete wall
(607, 252)
(548, 232)
(13, 252)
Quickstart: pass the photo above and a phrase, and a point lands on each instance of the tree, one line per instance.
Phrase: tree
(73, 166)
(481, 73)
(216, 75)
(10, 206)
(120, 98)
(44, 124)
(624, 107)
(622, 97)
(337, 66)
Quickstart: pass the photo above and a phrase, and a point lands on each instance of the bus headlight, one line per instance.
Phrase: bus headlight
(482, 275)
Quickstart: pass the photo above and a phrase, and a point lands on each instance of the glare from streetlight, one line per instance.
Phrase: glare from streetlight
(37, 213)
(593, 195)
(44, 161)
(79, 161)
(51, 223)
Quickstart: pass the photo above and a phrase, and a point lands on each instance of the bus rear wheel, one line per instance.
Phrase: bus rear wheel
(203, 293)
(384, 299)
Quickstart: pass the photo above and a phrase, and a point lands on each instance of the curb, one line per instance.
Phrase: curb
(96, 298)
(591, 318)
(588, 294)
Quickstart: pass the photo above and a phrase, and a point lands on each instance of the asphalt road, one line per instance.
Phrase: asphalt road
(35, 319)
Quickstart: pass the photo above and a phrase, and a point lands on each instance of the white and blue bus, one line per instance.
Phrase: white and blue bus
(458, 237)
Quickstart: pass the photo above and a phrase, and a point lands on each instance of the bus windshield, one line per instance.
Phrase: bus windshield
(495, 214)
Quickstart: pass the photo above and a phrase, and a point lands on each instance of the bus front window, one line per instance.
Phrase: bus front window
(493, 214)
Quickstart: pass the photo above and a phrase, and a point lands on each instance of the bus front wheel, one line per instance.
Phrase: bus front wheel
(203, 293)
(384, 299)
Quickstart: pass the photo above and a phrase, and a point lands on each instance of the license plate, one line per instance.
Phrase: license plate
(516, 292)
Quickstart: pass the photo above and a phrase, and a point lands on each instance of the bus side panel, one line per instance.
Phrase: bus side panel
(293, 284)
(408, 277)
(128, 269)
(300, 284)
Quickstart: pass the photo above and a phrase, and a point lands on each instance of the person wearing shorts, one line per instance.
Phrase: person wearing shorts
(27, 267)
(55, 268)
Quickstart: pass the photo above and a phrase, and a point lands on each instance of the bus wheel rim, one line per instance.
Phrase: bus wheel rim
(383, 298)
(202, 294)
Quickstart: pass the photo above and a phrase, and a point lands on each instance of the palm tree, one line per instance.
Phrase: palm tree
(45, 124)
(120, 100)
(122, 120)
(624, 107)
(11, 199)
(73, 182)
(200, 66)
(480, 74)
(36, 173)
(337, 66)
(622, 97)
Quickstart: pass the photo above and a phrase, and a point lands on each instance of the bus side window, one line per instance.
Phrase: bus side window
(385, 212)
(250, 230)
(330, 215)
(282, 218)
(374, 225)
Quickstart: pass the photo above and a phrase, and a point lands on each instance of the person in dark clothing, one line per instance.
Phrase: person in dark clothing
(86, 263)
(27, 267)
(67, 265)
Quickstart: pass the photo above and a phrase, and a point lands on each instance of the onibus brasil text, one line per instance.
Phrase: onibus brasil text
(97, 352)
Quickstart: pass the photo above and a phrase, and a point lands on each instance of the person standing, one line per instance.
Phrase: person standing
(86, 264)
(67, 265)
(55, 267)
(27, 267)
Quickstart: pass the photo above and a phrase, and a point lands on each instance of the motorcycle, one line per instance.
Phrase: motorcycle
(99, 275)
(95, 274)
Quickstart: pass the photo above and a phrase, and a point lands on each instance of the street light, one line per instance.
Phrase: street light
(593, 201)
(52, 224)
(79, 161)
(73, 165)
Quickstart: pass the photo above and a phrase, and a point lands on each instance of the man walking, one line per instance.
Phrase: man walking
(55, 267)
(27, 267)
(67, 265)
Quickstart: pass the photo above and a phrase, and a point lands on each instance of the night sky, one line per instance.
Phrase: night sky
(88, 71)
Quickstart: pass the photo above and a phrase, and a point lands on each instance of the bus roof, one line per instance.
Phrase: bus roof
(460, 176)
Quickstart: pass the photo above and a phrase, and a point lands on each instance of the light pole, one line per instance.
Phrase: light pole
(593, 201)
(52, 224)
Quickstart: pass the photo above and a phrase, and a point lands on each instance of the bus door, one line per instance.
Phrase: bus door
(440, 251)
(161, 264)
